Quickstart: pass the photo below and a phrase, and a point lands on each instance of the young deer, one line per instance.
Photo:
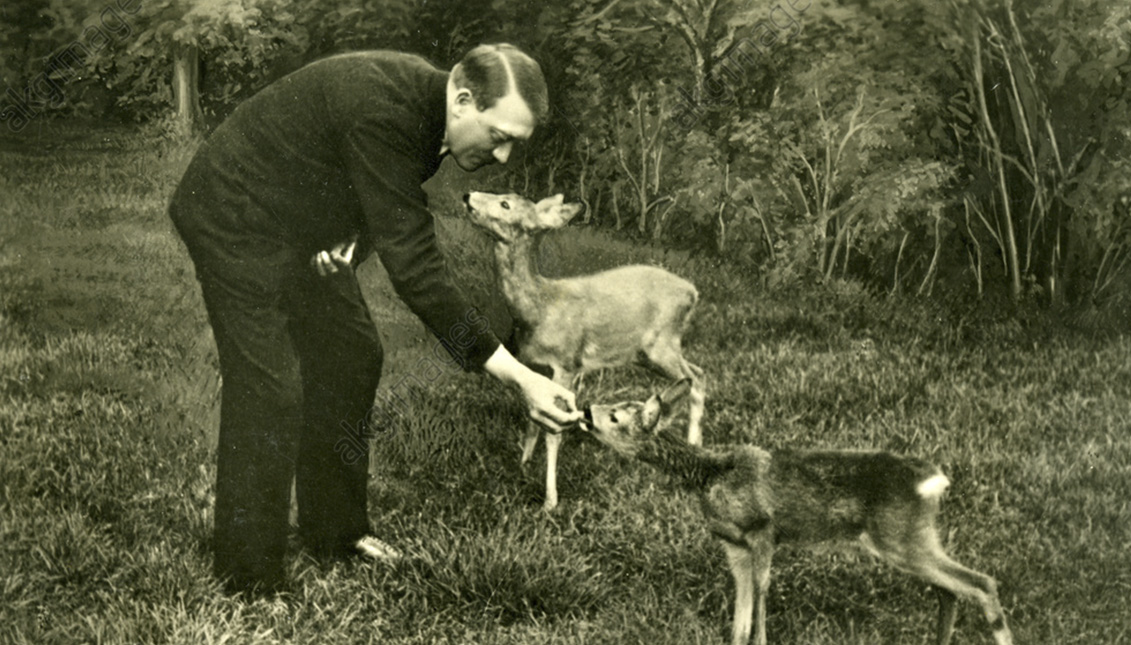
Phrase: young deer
(631, 314)
(753, 500)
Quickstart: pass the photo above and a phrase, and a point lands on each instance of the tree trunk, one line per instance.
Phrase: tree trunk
(186, 89)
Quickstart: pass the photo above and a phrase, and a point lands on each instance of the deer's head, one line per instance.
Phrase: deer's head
(626, 425)
(509, 216)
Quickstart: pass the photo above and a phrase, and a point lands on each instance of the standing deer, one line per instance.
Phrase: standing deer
(627, 315)
(753, 500)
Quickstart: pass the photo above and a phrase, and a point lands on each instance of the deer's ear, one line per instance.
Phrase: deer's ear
(552, 213)
(561, 215)
(550, 202)
(674, 394)
(570, 211)
(650, 415)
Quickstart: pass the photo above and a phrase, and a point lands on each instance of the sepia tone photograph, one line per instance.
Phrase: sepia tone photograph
(567, 321)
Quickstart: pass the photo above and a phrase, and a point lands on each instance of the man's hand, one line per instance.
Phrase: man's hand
(548, 403)
(340, 257)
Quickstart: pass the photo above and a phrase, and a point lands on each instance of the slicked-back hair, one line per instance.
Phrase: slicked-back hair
(487, 70)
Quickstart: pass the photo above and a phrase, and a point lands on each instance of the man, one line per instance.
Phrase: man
(336, 151)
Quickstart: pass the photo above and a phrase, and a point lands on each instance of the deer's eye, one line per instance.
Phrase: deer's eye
(505, 205)
(613, 417)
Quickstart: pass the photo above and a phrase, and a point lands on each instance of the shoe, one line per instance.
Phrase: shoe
(370, 548)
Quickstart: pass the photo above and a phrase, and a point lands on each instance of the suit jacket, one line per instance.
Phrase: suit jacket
(336, 149)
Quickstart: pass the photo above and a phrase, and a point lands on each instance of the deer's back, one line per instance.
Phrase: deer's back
(604, 319)
(631, 284)
(811, 496)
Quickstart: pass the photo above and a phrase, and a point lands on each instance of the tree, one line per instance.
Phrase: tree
(236, 39)
(47, 46)
(22, 23)
(1031, 83)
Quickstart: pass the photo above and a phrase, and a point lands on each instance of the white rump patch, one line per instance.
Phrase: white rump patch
(932, 486)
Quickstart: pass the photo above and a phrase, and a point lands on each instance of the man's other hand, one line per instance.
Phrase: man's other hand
(338, 258)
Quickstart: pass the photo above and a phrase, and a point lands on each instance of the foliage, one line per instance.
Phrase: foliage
(22, 25)
(1090, 65)
(983, 143)
(1030, 80)
(237, 39)
(352, 24)
(45, 53)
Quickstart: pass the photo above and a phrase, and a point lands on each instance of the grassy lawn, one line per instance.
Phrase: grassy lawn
(108, 413)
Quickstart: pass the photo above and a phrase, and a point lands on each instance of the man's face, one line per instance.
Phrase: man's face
(478, 138)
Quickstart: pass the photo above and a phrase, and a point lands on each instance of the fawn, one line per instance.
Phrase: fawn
(753, 500)
(627, 315)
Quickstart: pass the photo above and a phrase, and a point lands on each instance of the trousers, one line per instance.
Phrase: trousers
(300, 361)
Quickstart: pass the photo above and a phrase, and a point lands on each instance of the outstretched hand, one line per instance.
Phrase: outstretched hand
(550, 404)
(338, 258)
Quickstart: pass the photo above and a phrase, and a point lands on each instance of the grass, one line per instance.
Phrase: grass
(108, 411)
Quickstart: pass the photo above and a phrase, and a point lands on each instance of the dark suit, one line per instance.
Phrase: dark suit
(339, 148)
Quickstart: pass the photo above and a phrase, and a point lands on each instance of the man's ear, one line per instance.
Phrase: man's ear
(463, 100)
(674, 394)
(650, 415)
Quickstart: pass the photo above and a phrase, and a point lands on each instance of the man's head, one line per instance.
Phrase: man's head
(496, 96)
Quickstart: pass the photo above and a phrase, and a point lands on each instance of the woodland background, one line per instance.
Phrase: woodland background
(970, 147)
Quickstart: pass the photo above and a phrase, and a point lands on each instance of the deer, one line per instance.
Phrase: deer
(629, 315)
(752, 500)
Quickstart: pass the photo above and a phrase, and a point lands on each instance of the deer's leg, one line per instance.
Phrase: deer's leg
(698, 396)
(977, 586)
(553, 442)
(919, 553)
(750, 567)
(667, 359)
(533, 431)
(762, 549)
(742, 569)
(948, 612)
